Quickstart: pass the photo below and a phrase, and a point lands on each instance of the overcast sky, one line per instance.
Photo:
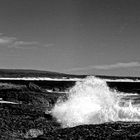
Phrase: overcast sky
(72, 36)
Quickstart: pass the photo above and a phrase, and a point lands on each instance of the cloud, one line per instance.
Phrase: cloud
(7, 40)
(118, 65)
(14, 43)
(107, 67)
(23, 45)
(49, 45)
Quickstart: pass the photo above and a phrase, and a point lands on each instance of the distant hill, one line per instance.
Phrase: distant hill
(14, 73)
(19, 73)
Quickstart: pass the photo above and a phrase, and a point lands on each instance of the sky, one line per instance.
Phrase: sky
(71, 36)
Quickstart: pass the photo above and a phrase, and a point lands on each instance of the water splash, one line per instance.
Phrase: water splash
(91, 101)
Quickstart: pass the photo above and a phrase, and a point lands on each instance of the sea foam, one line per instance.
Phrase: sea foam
(91, 101)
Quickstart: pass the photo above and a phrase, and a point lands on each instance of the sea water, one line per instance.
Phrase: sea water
(91, 101)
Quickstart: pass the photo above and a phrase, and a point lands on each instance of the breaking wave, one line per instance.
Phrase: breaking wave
(91, 101)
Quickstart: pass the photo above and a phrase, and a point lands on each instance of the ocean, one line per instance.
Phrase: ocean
(94, 101)
(69, 107)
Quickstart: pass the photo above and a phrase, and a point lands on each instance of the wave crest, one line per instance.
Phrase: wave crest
(91, 101)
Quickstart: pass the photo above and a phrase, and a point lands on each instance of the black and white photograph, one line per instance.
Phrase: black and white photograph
(69, 69)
